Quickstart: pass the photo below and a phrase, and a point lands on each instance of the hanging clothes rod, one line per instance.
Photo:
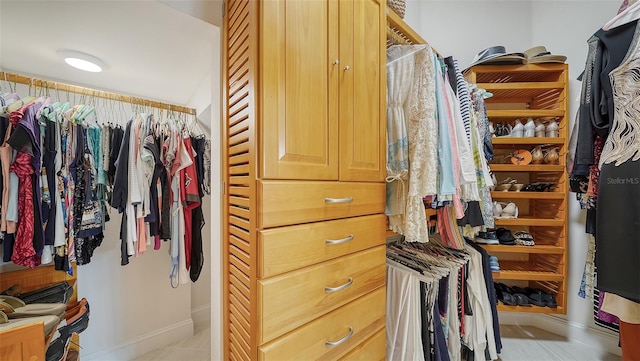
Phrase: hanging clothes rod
(400, 31)
(50, 84)
(395, 21)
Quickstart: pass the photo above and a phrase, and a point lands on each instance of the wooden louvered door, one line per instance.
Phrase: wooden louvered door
(288, 96)
(239, 237)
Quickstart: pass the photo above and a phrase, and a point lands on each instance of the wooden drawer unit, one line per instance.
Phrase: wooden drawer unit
(332, 335)
(294, 202)
(288, 248)
(373, 349)
(290, 300)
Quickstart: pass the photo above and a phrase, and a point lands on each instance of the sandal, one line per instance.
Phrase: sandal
(14, 307)
(524, 238)
(505, 185)
(505, 210)
(50, 323)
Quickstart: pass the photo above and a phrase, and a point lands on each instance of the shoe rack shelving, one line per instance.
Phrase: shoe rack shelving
(538, 91)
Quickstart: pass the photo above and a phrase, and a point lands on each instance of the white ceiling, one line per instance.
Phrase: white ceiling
(151, 49)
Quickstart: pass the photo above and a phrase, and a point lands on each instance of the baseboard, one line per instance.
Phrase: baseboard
(201, 316)
(515, 318)
(577, 332)
(144, 343)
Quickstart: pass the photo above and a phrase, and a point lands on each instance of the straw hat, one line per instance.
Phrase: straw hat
(497, 55)
(540, 54)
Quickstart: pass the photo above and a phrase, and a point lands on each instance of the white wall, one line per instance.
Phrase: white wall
(462, 29)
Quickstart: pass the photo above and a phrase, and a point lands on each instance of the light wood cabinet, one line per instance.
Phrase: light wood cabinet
(322, 96)
(536, 91)
(303, 168)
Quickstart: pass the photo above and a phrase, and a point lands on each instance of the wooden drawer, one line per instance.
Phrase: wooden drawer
(373, 349)
(359, 319)
(290, 300)
(288, 248)
(289, 202)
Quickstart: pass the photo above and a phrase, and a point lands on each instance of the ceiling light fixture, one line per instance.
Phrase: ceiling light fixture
(82, 61)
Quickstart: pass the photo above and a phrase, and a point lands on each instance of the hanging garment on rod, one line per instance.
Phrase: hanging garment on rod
(437, 145)
(68, 169)
(438, 303)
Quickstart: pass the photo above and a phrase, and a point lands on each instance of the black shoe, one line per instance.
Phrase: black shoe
(505, 237)
(487, 238)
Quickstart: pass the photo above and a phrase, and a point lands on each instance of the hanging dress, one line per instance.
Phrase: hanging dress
(618, 212)
(422, 130)
(400, 67)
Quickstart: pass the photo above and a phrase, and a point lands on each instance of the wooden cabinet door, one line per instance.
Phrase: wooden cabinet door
(299, 80)
(362, 96)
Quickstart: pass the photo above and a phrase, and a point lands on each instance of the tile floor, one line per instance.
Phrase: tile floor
(520, 343)
(196, 348)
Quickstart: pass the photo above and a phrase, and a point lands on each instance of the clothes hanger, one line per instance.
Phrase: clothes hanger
(630, 14)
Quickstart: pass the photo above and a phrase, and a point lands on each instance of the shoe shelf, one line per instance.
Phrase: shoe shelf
(543, 249)
(538, 91)
(524, 113)
(529, 221)
(525, 271)
(526, 141)
(526, 168)
(533, 309)
(526, 195)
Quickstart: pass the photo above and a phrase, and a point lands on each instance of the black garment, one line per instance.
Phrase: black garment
(488, 278)
(121, 172)
(618, 229)
(197, 255)
(117, 135)
(124, 255)
(165, 220)
(451, 74)
(154, 215)
(440, 350)
(424, 324)
(7, 244)
(472, 215)
(198, 144)
(4, 125)
(49, 209)
(596, 110)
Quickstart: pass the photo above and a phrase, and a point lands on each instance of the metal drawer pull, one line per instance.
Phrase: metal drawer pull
(338, 200)
(336, 343)
(338, 241)
(341, 287)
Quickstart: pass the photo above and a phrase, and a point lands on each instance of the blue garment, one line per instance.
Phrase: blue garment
(446, 180)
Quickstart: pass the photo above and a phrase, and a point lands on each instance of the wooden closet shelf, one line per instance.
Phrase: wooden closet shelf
(527, 195)
(522, 92)
(524, 271)
(526, 168)
(522, 86)
(523, 249)
(524, 113)
(533, 309)
(528, 140)
(527, 221)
